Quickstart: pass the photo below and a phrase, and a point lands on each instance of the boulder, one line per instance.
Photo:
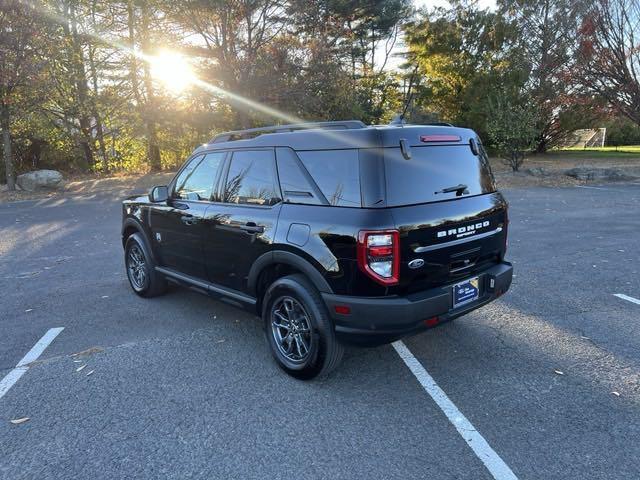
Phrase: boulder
(536, 171)
(40, 179)
(589, 173)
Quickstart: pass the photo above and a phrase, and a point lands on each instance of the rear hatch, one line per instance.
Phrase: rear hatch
(451, 219)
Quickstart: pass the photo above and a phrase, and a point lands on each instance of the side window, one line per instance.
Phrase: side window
(251, 179)
(184, 174)
(337, 173)
(196, 181)
(295, 184)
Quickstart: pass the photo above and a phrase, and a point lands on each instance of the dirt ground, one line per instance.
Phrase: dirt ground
(553, 165)
(120, 185)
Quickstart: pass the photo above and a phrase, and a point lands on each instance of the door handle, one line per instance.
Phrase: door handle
(180, 205)
(187, 220)
(252, 228)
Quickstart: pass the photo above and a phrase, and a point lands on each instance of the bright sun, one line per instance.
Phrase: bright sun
(173, 70)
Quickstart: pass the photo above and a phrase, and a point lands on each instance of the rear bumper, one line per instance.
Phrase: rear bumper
(379, 320)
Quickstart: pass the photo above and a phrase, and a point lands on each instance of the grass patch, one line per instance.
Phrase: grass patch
(599, 152)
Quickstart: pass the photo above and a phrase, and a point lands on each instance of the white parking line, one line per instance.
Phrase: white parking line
(609, 189)
(627, 298)
(496, 466)
(592, 188)
(32, 355)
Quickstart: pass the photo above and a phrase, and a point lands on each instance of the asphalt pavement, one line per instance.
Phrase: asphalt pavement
(182, 386)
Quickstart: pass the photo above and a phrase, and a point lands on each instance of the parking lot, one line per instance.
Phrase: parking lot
(183, 386)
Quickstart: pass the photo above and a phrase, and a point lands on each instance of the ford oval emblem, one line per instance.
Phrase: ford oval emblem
(416, 263)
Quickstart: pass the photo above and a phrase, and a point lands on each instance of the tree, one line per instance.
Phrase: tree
(76, 69)
(547, 39)
(256, 61)
(374, 31)
(609, 54)
(21, 70)
(232, 36)
(512, 126)
(459, 55)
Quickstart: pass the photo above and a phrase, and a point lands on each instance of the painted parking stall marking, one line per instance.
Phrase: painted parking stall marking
(491, 460)
(627, 298)
(32, 355)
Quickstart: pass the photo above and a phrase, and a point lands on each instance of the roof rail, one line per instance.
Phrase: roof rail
(439, 124)
(254, 132)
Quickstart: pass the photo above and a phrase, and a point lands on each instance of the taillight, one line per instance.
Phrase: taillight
(379, 255)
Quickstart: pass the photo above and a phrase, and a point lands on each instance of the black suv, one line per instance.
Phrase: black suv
(332, 232)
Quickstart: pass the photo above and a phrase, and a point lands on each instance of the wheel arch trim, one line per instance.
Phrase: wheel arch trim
(287, 258)
(130, 222)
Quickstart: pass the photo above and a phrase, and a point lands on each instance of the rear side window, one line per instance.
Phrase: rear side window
(433, 169)
(337, 174)
(296, 184)
(251, 179)
(198, 177)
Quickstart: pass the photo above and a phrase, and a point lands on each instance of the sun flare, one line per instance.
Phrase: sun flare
(173, 71)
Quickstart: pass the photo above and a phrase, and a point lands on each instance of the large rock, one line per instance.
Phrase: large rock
(40, 179)
(589, 173)
(536, 171)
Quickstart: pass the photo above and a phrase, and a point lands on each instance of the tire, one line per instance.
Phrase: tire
(294, 316)
(140, 268)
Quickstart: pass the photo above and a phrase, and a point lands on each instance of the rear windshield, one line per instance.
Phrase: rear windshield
(432, 169)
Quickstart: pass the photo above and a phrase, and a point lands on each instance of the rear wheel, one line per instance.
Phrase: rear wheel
(298, 329)
(141, 272)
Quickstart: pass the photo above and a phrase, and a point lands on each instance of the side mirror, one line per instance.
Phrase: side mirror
(159, 194)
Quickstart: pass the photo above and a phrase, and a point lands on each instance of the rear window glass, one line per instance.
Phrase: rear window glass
(433, 169)
(251, 179)
(337, 174)
(295, 184)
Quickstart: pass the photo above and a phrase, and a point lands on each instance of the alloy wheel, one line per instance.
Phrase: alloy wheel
(290, 327)
(136, 267)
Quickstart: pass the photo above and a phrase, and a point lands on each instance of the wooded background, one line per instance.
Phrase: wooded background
(77, 92)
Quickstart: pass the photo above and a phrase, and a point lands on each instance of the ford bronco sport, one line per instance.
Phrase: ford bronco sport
(332, 232)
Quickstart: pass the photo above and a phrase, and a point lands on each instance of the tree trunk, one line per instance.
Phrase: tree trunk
(80, 80)
(87, 153)
(5, 122)
(133, 66)
(153, 149)
(104, 159)
(541, 146)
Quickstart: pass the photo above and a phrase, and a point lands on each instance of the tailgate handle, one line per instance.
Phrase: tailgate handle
(462, 265)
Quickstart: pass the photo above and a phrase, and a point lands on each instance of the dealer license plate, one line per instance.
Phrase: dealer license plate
(465, 292)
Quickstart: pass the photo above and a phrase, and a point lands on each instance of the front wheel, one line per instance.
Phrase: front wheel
(299, 331)
(141, 272)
